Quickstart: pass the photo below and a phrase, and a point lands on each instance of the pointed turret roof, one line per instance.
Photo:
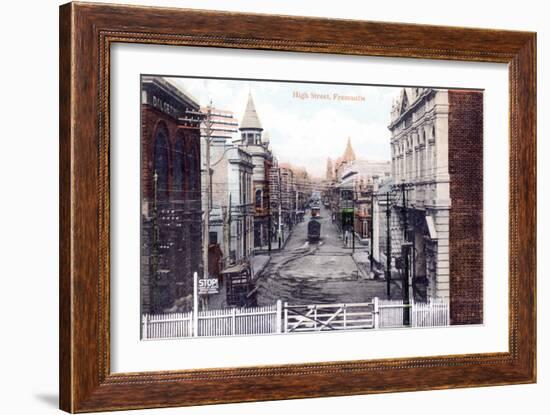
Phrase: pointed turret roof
(250, 117)
(349, 154)
(330, 169)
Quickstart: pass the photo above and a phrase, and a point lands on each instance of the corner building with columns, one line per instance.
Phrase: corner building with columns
(437, 157)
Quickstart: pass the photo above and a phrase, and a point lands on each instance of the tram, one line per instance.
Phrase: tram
(313, 230)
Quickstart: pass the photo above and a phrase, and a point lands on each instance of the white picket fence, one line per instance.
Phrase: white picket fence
(223, 322)
(166, 326)
(434, 313)
(278, 319)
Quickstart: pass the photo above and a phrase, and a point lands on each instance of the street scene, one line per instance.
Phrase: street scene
(323, 272)
(273, 207)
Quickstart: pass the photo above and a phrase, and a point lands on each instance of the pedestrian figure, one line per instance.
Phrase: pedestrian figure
(346, 235)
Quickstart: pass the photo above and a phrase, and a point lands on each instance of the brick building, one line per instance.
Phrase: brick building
(437, 161)
(466, 221)
(171, 197)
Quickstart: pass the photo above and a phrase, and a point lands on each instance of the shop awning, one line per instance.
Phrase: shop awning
(235, 269)
(431, 227)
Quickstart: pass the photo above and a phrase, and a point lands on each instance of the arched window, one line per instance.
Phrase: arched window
(194, 172)
(178, 168)
(161, 163)
(259, 199)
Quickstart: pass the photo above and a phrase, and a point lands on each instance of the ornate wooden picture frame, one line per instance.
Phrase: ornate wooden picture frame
(87, 32)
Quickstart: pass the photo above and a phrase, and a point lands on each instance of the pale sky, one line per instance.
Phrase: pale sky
(304, 132)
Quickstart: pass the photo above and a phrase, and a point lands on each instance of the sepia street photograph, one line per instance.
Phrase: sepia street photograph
(282, 207)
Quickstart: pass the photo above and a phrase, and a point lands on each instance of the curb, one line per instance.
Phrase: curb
(258, 274)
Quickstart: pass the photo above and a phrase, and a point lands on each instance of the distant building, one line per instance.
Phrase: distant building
(257, 145)
(329, 175)
(437, 155)
(288, 193)
(351, 193)
(341, 162)
(303, 186)
(171, 194)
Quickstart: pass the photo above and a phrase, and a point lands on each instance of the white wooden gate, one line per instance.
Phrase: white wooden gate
(323, 317)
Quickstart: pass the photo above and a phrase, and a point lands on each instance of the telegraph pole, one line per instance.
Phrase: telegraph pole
(229, 219)
(371, 230)
(194, 117)
(405, 252)
(279, 230)
(405, 224)
(206, 241)
(296, 206)
(388, 245)
(269, 219)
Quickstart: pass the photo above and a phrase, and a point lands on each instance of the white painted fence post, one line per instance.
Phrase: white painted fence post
(286, 317)
(144, 326)
(278, 317)
(376, 313)
(195, 305)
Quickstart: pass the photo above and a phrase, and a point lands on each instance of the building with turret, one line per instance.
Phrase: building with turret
(329, 175)
(343, 161)
(256, 142)
(230, 230)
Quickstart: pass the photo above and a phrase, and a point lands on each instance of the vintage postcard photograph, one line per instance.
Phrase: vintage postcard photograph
(283, 207)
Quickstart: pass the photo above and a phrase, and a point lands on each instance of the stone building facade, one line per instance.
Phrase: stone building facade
(256, 143)
(231, 218)
(171, 194)
(437, 160)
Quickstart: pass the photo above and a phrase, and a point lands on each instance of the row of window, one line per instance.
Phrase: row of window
(418, 165)
(411, 141)
(252, 138)
(175, 163)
